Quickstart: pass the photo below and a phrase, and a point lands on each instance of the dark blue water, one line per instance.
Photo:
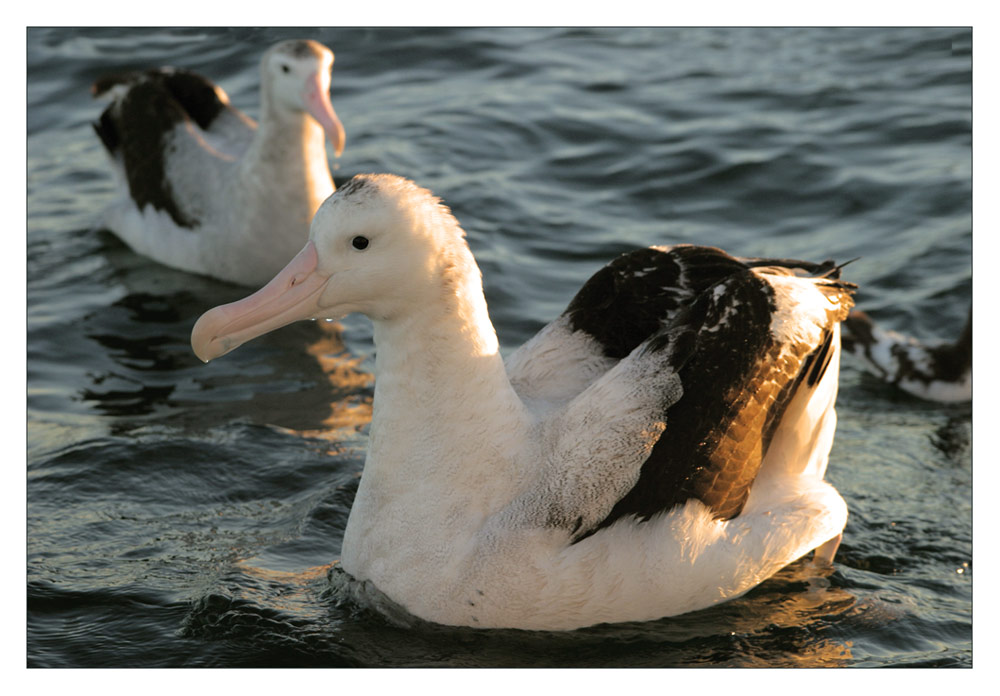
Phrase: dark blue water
(181, 514)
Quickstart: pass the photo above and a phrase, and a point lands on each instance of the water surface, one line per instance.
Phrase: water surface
(188, 515)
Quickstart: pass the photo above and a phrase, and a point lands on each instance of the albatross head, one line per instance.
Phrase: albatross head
(295, 76)
(380, 245)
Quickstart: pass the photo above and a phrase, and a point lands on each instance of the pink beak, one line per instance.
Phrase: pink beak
(317, 100)
(291, 295)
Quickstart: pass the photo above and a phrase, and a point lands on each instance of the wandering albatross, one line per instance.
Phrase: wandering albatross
(933, 370)
(658, 448)
(202, 187)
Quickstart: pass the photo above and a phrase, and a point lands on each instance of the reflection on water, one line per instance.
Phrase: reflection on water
(954, 438)
(351, 388)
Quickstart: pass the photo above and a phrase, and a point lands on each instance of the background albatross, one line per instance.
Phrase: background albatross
(205, 189)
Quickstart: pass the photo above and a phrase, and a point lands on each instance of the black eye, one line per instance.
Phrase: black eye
(285, 69)
(360, 243)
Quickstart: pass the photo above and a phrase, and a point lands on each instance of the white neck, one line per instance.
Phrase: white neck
(439, 370)
(280, 182)
(446, 437)
(291, 148)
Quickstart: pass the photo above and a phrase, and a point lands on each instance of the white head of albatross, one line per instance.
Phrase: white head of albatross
(295, 80)
(658, 448)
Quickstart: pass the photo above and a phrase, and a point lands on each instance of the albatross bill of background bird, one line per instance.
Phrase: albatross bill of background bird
(205, 189)
(935, 371)
(658, 448)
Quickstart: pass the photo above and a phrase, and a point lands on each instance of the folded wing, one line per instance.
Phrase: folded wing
(702, 352)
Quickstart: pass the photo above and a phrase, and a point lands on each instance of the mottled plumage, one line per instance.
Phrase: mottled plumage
(936, 371)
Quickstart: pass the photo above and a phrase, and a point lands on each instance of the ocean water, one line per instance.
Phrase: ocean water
(190, 515)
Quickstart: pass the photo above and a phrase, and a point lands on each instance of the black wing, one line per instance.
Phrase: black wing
(696, 317)
(135, 126)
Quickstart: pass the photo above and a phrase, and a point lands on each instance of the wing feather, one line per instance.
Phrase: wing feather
(706, 353)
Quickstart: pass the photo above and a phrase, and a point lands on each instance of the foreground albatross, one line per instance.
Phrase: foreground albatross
(658, 448)
(205, 189)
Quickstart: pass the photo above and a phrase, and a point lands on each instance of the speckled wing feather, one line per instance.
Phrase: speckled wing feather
(619, 307)
(629, 300)
(693, 328)
(737, 382)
